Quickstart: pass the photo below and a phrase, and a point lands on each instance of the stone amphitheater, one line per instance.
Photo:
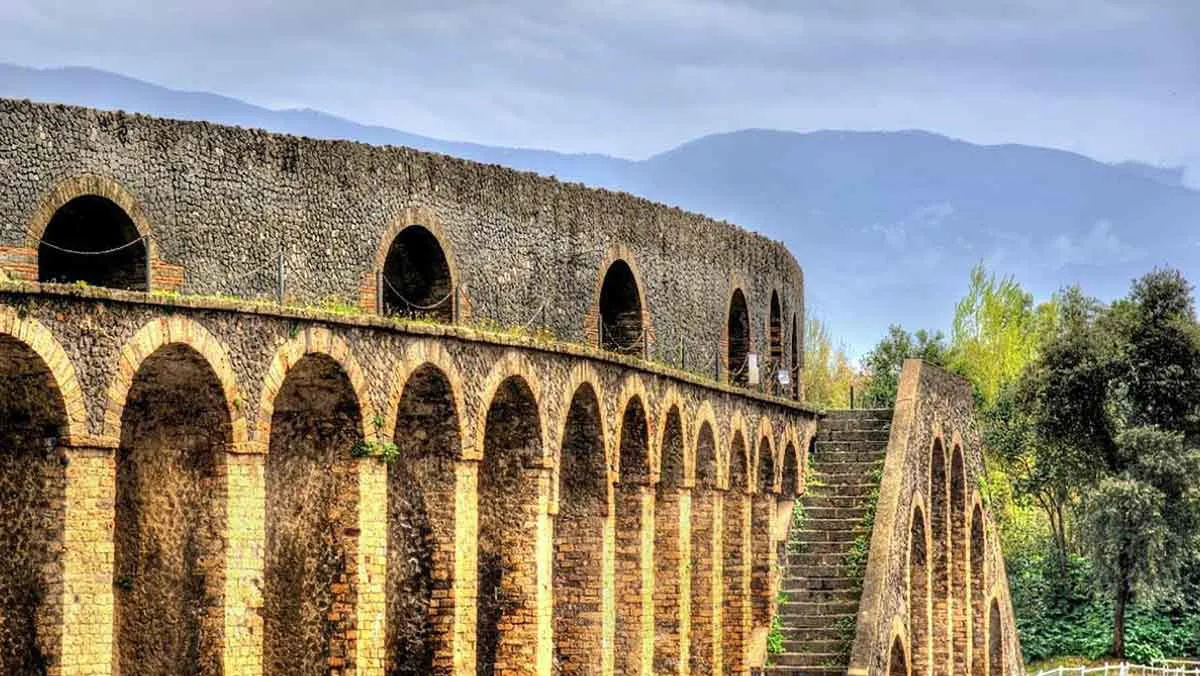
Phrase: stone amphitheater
(274, 405)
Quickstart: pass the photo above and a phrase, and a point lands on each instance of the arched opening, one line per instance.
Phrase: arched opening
(939, 496)
(420, 525)
(506, 624)
(579, 539)
(977, 600)
(762, 513)
(32, 486)
(668, 550)
(311, 521)
(795, 361)
(918, 590)
(416, 277)
(775, 336)
(737, 547)
(92, 240)
(701, 637)
(791, 472)
(621, 326)
(897, 662)
(995, 642)
(960, 593)
(785, 502)
(633, 494)
(737, 330)
(168, 572)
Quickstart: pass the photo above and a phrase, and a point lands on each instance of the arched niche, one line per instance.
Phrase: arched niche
(977, 600)
(622, 328)
(92, 240)
(897, 660)
(737, 331)
(996, 666)
(736, 553)
(668, 588)
(918, 590)
(702, 582)
(795, 364)
(632, 491)
(775, 333)
(762, 513)
(959, 551)
(939, 555)
(417, 281)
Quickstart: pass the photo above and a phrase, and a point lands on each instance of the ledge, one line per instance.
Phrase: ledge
(376, 322)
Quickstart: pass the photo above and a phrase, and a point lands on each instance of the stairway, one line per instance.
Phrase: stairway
(822, 596)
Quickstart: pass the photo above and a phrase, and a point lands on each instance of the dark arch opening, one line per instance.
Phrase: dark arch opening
(32, 488)
(92, 240)
(579, 538)
(506, 624)
(918, 586)
(621, 326)
(738, 331)
(420, 519)
(775, 334)
(312, 520)
(995, 642)
(959, 551)
(736, 544)
(416, 277)
(791, 472)
(168, 572)
(977, 600)
(939, 496)
(762, 513)
(795, 362)
(632, 490)
(897, 661)
(702, 616)
(667, 588)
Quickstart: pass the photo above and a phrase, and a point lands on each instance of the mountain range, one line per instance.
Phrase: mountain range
(885, 224)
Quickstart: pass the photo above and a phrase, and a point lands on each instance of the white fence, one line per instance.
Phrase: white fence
(1161, 668)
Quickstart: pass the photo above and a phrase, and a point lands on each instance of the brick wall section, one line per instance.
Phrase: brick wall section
(370, 597)
(736, 619)
(87, 646)
(703, 545)
(668, 573)
(762, 557)
(246, 502)
(19, 262)
(629, 579)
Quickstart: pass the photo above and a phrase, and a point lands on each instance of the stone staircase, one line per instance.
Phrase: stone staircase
(822, 596)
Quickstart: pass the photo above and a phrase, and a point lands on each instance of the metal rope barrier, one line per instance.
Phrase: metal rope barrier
(105, 252)
(416, 306)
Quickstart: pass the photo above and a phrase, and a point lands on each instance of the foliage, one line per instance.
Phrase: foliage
(775, 635)
(883, 363)
(828, 375)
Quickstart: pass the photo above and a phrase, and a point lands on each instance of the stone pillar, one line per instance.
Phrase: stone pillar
(634, 579)
(669, 575)
(736, 621)
(466, 559)
(544, 557)
(608, 575)
(246, 489)
(718, 583)
(704, 548)
(371, 596)
(87, 606)
(647, 574)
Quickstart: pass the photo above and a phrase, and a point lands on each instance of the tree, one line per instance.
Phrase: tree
(883, 363)
(828, 375)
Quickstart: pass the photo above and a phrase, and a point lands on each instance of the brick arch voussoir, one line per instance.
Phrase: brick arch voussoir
(38, 338)
(90, 184)
(766, 431)
(619, 252)
(313, 341)
(511, 364)
(428, 219)
(159, 333)
(632, 386)
(669, 399)
(417, 355)
(704, 414)
(737, 424)
(582, 373)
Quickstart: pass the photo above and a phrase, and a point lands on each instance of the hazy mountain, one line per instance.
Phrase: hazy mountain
(886, 224)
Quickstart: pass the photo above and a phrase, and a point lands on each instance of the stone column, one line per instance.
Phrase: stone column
(371, 595)
(466, 559)
(246, 490)
(87, 606)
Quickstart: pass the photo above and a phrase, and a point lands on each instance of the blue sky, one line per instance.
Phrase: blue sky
(1114, 79)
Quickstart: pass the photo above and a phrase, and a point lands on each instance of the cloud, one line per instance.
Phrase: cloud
(1098, 246)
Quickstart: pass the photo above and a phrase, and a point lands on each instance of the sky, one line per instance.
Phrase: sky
(1113, 79)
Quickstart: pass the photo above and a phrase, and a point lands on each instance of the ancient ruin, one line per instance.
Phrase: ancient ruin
(275, 406)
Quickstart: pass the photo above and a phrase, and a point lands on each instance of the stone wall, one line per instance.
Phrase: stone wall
(956, 616)
(228, 210)
(215, 466)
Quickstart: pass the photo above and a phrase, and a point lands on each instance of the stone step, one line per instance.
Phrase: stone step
(809, 621)
(845, 490)
(805, 608)
(822, 513)
(820, 556)
(809, 660)
(789, 670)
(835, 501)
(838, 583)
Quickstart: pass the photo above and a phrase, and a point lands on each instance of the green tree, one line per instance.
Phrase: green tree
(828, 374)
(883, 363)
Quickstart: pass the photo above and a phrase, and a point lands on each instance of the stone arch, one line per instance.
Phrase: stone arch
(65, 222)
(960, 592)
(670, 404)
(633, 468)
(737, 518)
(762, 515)
(789, 481)
(509, 487)
(512, 364)
(740, 430)
(705, 585)
(582, 373)
(995, 650)
(796, 362)
(704, 469)
(978, 575)
(422, 354)
(669, 551)
(634, 502)
(425, 427)
(176, 427)
(939, 556)
(918, 590)
(635, 328)
(775, 334)
(313, 341)
(29, 334)
(34, 415)
(579, 536)
(738, 338)
(314, 423)
(897, 659)
(159, 333)
(416, 267)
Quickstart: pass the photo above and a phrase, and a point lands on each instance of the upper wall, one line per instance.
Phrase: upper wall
(223, 203)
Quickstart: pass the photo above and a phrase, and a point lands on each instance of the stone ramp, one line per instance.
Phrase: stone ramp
(819, 614)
